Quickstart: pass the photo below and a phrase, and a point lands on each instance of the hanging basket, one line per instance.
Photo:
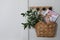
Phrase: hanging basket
(45, 30)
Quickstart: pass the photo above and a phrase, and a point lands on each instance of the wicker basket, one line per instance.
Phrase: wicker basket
(45, 30)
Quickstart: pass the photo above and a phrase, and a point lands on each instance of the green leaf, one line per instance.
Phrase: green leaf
(29, 26)
(28, 11)
(25, 25)
(23, 14)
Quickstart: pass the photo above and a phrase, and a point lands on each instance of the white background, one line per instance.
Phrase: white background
(56, 7)
(10, 20)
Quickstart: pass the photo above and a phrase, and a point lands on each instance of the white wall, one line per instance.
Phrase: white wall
(56, 6)
(10, 20)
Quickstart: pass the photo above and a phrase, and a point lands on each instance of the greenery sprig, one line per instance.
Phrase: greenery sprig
(32, 18)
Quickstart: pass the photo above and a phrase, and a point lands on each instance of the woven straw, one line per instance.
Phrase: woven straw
(45, 30)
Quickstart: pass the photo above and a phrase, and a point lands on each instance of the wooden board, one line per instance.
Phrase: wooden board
(42, 7)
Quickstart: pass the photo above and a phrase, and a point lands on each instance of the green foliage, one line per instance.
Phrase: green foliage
(23, 14)
(32, 18)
